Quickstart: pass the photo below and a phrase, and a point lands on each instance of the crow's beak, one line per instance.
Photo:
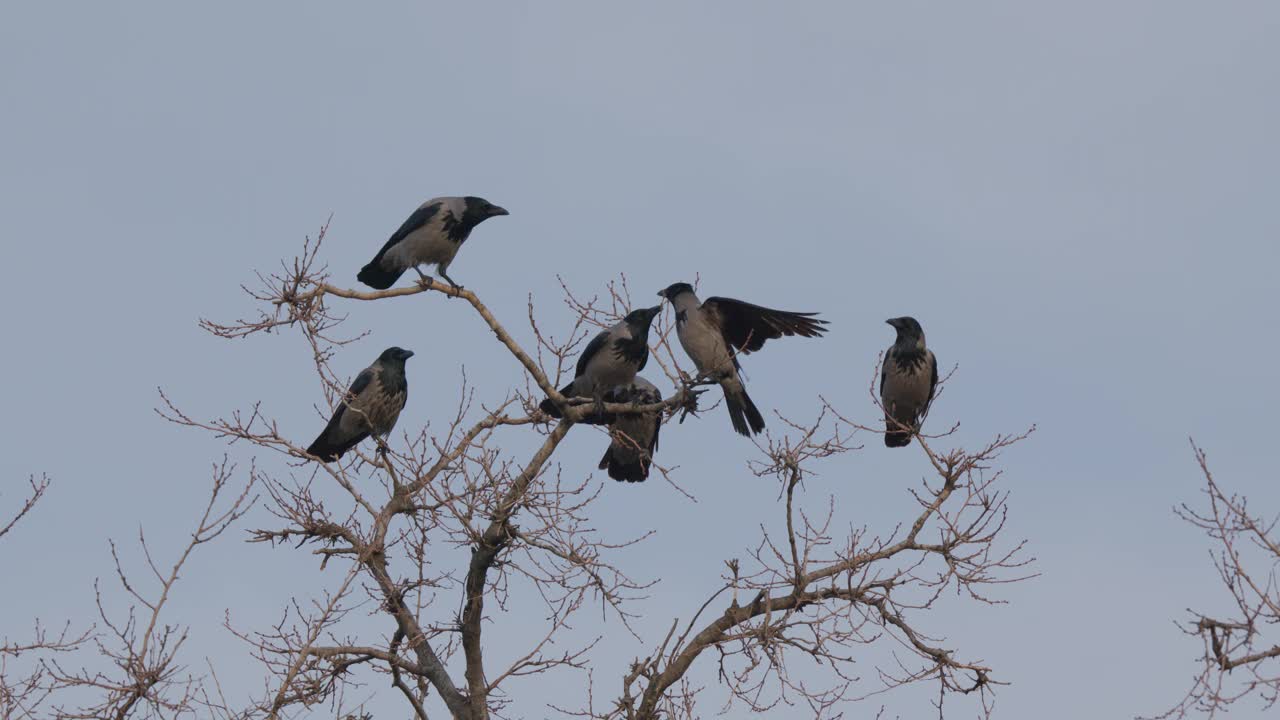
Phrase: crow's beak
(662, 293)
(495, 211)
(892, 322)
(653, 311)
(408, 354)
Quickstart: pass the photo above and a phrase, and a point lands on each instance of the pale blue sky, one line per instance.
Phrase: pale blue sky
(1077, 201)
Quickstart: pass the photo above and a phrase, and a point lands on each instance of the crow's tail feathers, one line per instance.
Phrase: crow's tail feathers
(625, 464)
(743, 414)
(897, 438)
(329, 450)
(894, 434)
(376, 277)
(550, 408)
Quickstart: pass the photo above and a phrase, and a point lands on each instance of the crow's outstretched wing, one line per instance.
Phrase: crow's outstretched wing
(746, 327)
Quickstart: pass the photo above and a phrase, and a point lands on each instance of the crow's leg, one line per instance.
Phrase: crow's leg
(444, 273)
(598, 397)
(689, 402)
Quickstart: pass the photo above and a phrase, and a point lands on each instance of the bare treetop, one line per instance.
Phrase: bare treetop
(789, 619)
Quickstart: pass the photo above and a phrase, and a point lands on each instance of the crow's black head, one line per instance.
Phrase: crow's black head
(479, 209)
(671, 291)
(395, 355)
(642, 319)
(909, 331)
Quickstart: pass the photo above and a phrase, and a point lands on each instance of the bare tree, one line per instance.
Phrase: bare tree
(1241, 650)
(789, 621)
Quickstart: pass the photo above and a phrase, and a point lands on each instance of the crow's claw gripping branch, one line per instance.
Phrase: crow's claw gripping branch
(689, 402)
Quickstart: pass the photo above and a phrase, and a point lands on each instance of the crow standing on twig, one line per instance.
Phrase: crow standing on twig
(634, 437)
(908, 381)
(612, 358)
(432, 235)
(714, 332)
(371, 406)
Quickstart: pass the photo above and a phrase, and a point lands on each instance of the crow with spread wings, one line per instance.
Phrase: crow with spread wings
(714, 332)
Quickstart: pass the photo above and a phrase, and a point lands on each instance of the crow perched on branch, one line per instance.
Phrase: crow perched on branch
(371, 406)
(612, 358)
(908, 381)
(712, 333)
(634, 437)
(433, 234)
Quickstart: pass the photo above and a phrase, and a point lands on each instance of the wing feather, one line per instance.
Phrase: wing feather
(596, 345)
(933, 384)
(746, 327)
(416, 221)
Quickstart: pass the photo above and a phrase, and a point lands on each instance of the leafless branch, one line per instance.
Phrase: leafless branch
(1239, 657)
(143, 651)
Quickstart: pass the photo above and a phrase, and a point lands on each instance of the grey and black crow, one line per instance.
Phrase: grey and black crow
(634, 437)
(907, 382)
(714, 332)
(612, 358)
(432, 235)
(371, 406)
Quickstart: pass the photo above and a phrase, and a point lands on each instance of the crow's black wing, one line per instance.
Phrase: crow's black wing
(361, 382)
(933, 383)
(417, 220)
(657, 427)
(330, 444)
(933, 379)
(596, 345)
(746, 327)
(357, 386)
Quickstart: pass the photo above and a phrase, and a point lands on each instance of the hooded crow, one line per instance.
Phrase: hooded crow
(371, 406)
(612, 358)
(907, 382)
(714, 332)
(634, 437)
(432, 235)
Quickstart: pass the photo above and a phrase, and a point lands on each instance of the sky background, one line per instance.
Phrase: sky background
(1077, 201)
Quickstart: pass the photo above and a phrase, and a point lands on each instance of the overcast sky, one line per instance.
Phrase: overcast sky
(1079, 203)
